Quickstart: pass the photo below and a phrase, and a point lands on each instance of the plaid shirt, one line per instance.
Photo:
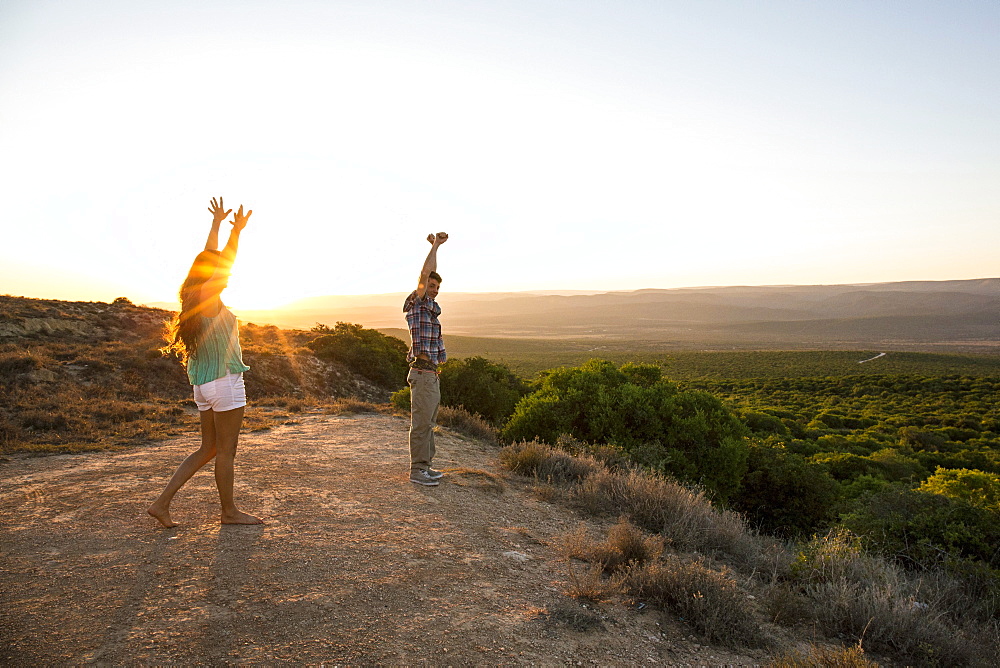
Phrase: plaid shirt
(425, 330)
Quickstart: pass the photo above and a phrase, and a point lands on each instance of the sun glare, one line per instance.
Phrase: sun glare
(255, 295)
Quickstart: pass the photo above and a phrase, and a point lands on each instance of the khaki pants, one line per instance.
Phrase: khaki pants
(425, 395)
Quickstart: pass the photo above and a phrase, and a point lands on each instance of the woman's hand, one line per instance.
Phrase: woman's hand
(240, 220)
(218, 211)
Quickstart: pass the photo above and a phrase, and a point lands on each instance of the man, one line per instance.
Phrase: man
(426, 353)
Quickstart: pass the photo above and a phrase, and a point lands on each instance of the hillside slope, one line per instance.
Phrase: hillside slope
(89, 375)
(354, 564)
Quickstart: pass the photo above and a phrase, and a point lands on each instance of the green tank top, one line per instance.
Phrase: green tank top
(218, 352)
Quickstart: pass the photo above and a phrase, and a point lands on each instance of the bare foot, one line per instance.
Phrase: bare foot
(240, 517)
(162, 515)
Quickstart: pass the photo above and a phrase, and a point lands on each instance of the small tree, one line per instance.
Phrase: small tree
(689, 435)
(785, 494)
(922, 529)
(488, 389)
(367, 352)
(977, 488)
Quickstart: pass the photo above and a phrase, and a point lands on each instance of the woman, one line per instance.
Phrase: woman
(204, 335)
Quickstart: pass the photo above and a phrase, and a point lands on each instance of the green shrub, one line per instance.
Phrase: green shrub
(827, 420)
(845, 466)
(486, 388)
(400, 399)
(920, 438)
(921, 529)
(977, 488)
(898, 466)
(784, 494)
(368, 352)
(765, 424)
(689, 435)
(864, 484)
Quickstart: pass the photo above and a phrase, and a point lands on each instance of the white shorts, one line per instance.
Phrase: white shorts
(222, 394)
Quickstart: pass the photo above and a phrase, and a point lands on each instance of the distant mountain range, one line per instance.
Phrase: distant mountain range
(963, 313)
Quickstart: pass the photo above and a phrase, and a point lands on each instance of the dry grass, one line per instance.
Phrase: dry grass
(632, 562)
(547, 464)
(682, 515)
(825, 657)
(351, 406)
(469, 477)
(626, 545)
(78, 393)
(614, 458)
(13, 363)
(572, 616)
(706, 598)
(591, 584)
(829, 583)
(970, 594)
(886, 619)
(257, 418)
(58, 418)
(467, 423)
(525, 458)
(93, 378)
(848, 593)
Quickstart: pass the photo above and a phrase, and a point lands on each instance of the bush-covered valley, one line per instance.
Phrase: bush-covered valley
(910, 462)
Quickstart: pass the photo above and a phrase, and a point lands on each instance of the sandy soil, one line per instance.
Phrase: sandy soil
(355, 565)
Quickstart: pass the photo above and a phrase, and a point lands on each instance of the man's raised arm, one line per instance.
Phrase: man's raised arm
(430, 264)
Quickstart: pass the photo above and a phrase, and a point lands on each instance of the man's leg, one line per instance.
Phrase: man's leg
(436, 398)
(424, 398)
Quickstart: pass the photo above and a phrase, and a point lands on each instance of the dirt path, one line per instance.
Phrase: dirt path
(355, 565)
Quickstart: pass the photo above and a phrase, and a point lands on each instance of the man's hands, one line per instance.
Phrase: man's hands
(437, 239)
(218, 211)
(240, 220)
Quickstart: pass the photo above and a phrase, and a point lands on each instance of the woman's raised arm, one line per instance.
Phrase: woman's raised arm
(219, 213)
(239, 222)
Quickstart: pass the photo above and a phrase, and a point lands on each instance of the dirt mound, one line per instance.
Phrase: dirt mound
(354, 564)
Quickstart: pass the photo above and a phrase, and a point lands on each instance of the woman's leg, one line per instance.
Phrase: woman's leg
(227, 430)
(161, 507)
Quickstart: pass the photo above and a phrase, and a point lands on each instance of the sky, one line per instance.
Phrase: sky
(562, 144)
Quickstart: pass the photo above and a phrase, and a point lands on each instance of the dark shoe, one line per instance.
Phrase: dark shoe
(422, 478)
(434, 475)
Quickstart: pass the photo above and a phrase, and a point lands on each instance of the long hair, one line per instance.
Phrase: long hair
(184, 330)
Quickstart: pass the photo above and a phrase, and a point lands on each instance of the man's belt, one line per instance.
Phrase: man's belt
(423, 365)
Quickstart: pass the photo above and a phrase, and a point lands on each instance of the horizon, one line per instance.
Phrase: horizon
(605, 148)
(535, 292)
